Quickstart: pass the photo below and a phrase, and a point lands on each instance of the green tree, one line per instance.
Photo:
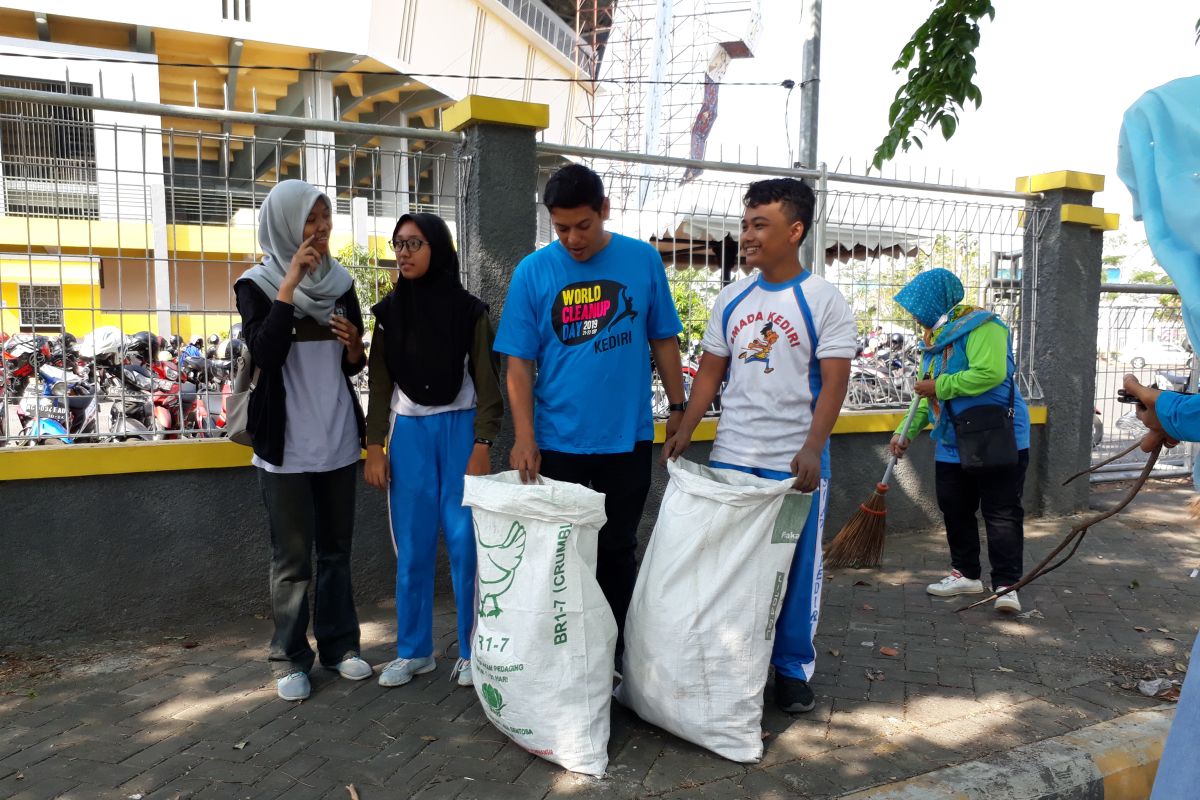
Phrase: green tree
(693, 291)
(371, 281)
(940, 59)
(1169, 305)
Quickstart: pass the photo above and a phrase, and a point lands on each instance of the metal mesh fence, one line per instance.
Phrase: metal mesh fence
(1141, 334)
(873, 243)
(117, 321)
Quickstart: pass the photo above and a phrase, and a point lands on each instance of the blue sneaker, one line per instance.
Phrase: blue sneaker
(294, 686)
(402, 670)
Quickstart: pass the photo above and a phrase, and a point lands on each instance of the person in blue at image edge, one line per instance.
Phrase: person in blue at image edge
(302, 323)
(1172, 418)
(588, 310)
(967, 361)
(434, 379)
(785, 338)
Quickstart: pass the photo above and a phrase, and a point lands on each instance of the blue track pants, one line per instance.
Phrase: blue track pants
(428, 459)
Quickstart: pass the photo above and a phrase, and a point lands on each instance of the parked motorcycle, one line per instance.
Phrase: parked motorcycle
(23, 354)
(64, 412)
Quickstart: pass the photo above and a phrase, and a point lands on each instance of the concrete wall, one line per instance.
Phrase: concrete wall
(119, 554)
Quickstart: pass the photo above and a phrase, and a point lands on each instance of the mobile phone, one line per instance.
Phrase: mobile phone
(339, 311)
(1125, 397)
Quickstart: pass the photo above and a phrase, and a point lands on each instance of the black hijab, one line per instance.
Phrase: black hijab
(429, 322)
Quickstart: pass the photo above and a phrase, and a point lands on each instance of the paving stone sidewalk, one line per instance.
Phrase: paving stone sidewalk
(172, 717)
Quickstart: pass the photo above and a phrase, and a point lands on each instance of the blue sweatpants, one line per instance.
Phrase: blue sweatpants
(794, 654)
(428, 459)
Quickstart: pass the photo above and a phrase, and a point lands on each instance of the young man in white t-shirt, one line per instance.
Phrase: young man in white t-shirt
(785, 338)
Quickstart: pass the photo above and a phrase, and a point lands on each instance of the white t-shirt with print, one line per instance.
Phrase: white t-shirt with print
(766, 330)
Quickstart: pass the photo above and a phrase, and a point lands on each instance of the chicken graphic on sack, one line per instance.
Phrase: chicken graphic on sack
(497, 570)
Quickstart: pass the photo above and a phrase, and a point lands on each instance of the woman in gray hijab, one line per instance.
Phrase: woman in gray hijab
(302, 323)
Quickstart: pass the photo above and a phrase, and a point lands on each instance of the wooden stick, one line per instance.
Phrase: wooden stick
(1104, 463)
(1077, 532)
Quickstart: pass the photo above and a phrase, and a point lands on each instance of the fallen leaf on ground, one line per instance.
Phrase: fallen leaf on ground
(874, 674)
(241, 745)
(862, 583)
(1032, 613)
(1181, 666)
(1002, 669)
(867, 644)
(428, 738)
(868, 607)
(1162, 630)
(1170, 695)
(889, 651)
(1140, 629)
(835, 652)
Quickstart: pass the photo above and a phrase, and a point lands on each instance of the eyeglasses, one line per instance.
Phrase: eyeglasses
(411, 245)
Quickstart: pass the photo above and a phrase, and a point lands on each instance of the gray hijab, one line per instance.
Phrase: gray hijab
(280, 234)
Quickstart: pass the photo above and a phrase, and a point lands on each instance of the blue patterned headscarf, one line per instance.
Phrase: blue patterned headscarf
(931, 295)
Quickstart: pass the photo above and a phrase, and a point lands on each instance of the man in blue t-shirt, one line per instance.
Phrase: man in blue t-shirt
(588, 310)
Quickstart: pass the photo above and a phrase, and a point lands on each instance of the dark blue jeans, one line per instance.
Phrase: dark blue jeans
(306, 509)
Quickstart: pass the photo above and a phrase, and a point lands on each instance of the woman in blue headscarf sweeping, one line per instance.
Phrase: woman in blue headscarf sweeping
(981, 426)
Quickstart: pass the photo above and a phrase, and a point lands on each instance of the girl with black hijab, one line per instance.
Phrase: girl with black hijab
(435, 402)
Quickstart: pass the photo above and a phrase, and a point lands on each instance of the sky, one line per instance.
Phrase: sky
(1056, 78)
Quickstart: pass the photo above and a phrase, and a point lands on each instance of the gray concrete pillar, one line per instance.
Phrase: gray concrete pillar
(1062, 264)
(393, 174)
(498, 222)
(320, 160)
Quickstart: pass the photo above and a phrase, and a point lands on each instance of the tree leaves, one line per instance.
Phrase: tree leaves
(941, 81)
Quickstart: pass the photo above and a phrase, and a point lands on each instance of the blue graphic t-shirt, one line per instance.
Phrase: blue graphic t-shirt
(588, 325)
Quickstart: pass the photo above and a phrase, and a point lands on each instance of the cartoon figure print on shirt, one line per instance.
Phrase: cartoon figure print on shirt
(760, 349)
(585, 310)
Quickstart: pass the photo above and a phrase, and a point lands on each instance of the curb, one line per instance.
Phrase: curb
(1114, 760)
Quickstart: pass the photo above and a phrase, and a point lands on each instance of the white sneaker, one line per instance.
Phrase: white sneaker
(953, 584)
(463, 670)
(353, 668)
(1008, 603)
(402, 670)
(293, 687)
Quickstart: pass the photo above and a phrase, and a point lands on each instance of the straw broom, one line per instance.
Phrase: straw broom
(860, 542)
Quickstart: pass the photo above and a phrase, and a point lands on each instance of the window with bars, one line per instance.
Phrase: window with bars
(41, 306)
(48, 153)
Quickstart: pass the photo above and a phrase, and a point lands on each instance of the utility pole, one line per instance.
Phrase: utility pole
(810, 90)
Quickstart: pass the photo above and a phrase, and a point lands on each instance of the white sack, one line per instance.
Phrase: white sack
(542, 651)
(701, 624)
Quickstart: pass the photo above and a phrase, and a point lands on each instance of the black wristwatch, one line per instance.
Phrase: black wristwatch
(677, 406)
(481, 440)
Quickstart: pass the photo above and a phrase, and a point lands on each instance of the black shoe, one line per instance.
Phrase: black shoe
(793, 695)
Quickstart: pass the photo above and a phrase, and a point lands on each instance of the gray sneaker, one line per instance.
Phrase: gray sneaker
(402, 670)
(353, 668)
(1007, 603)
(463, 671)
(293, 687)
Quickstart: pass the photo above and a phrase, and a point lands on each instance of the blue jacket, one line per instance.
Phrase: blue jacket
(1179, 415)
